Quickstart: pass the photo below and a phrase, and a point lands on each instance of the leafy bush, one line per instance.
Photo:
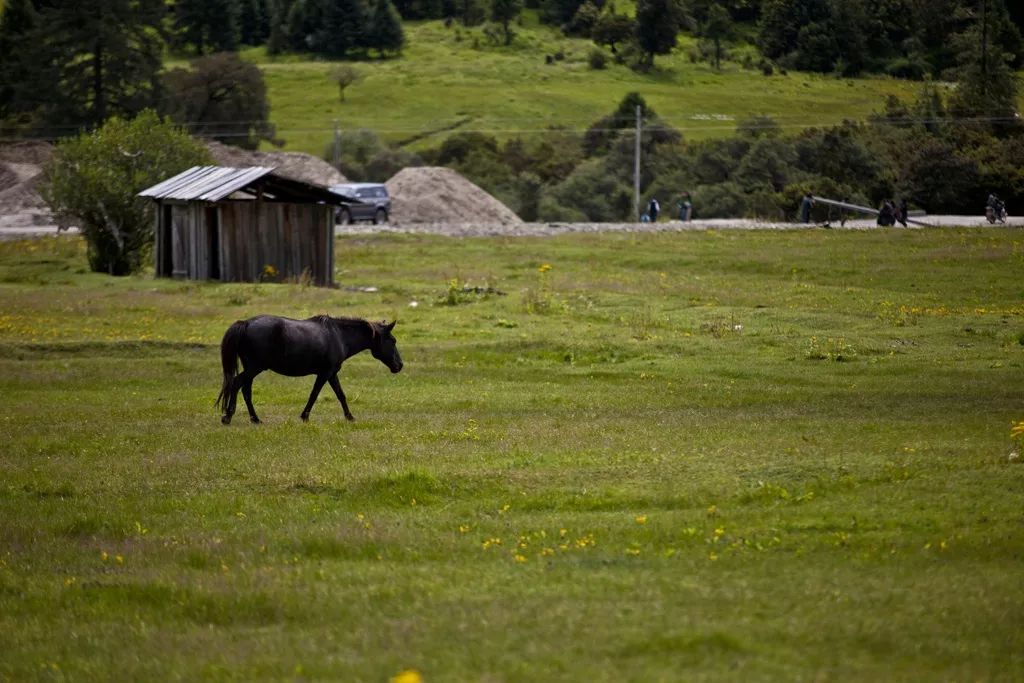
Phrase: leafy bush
(597, 59)
(722, 200)
(589, 190)
(93, 180)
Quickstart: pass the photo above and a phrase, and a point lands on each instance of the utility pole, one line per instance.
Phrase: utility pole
(984, 50)
(337, 145)
(636, 167)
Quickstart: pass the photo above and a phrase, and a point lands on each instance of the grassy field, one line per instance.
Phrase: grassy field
(710, 456)
(454, 79)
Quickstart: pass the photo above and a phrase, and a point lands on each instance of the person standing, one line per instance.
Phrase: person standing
(685, 207)
(805, 208)
(901, 212)
(652, 209)
(886, 213)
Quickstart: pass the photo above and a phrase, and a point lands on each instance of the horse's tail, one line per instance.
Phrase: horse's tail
(229, 361)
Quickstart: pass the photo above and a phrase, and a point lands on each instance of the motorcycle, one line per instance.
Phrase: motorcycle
(996, 213)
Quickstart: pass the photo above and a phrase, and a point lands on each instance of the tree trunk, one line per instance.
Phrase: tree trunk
(98, 91)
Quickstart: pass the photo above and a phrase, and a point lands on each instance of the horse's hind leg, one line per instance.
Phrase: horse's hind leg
(317, 386)
(336, 385)
(231, 402)
(247, 395)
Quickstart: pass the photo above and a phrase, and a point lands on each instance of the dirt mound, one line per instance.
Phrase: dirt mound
(8, 178)
(434, 194)
(21, 167)
(304, 167)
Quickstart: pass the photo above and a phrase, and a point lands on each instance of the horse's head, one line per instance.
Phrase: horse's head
(384, 347)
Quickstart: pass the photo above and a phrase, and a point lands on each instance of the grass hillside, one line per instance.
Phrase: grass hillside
(707, 456)
(454, 79)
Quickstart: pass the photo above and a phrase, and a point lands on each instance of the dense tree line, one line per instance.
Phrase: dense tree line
(906, 38)
(913, 39)
(923, 152)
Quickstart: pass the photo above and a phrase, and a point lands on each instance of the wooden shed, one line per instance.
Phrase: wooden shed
(243, 224)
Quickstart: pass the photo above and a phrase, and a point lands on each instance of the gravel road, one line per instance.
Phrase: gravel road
(548, 229)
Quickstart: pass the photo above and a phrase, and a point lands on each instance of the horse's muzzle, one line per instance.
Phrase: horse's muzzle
(396, 368)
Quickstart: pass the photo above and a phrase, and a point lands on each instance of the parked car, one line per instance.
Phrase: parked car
(370, 202)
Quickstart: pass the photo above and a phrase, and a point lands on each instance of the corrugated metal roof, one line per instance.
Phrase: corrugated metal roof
(205, 183)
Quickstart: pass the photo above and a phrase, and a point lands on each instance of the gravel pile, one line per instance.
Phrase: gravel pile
(296, 165)
(21, 168)
(438, 195)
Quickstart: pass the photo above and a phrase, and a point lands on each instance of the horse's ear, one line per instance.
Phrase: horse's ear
(390, 326)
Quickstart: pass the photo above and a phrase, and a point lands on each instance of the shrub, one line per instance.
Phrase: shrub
(908, 68)
(93, 180)
(597, 59)
(589, 193)
(722, 200)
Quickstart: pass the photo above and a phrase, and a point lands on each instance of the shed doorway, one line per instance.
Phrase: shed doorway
(166, 243)
(213, 242)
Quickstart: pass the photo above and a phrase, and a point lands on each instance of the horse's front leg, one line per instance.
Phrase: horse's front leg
(336, 385)
(317, 386)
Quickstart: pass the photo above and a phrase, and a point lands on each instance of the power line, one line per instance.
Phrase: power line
(721, 122)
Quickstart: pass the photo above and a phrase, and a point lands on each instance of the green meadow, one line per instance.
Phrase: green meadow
(701, 456)
(455, 79)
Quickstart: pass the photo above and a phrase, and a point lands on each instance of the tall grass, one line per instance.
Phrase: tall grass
(712, 456)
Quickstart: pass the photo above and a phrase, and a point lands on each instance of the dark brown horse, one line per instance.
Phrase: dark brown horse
(317, 346)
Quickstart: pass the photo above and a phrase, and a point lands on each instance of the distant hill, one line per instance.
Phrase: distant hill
(450, 79)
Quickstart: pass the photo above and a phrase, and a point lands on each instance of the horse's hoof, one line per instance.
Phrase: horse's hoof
(350, 418)
(255, 420)
(305, 417)
(225, 420)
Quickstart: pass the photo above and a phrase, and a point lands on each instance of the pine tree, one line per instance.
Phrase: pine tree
(208, 25)
(986, 83)
(342, 29)
(253, 22)
(98, 58)
(716, 28)
(277, 39)
(18, 22)
(470, 12)
(301, 20)
(657, 24)
(504, 12)
(385, 29)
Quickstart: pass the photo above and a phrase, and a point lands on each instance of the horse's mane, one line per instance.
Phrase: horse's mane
(342, 322)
